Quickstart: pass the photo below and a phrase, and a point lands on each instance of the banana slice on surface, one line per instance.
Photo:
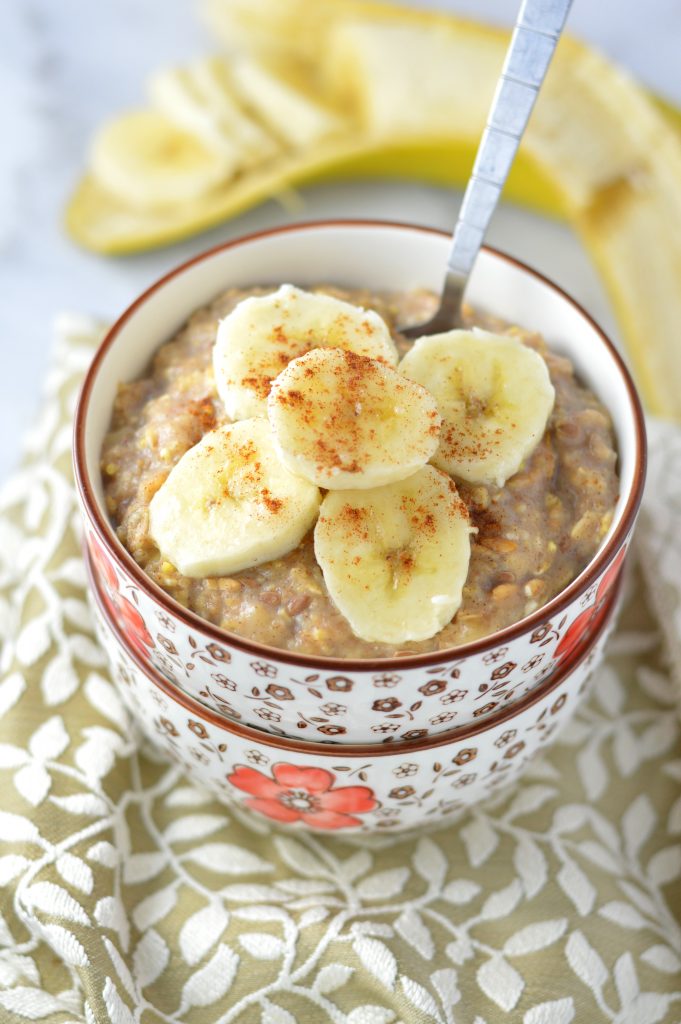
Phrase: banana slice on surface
(342, 420)
(494, 395)
(148, 161)
(395, 558)
(229, 504)
(261, 336)
(290, 113)
(198, 99)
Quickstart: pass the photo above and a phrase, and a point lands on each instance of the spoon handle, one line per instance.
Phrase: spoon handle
(534, 39)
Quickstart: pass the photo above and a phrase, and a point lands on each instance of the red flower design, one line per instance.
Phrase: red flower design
(303, 794)
(122, 611)
(103, 567)
(588, 621)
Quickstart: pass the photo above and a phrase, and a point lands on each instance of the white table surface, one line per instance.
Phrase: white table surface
(66, 65)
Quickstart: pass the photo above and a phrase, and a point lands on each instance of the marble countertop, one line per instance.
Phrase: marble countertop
(66, 66)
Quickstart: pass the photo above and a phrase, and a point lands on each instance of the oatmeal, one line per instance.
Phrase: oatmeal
(534, 534)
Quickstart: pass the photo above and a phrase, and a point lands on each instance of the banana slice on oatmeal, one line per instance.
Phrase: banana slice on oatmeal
(494, 395)
(395, 558)
(261, 336)
(229, 504)
(342, 420)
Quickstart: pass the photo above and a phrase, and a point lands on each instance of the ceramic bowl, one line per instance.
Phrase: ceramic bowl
(358, 788)
(351, 701)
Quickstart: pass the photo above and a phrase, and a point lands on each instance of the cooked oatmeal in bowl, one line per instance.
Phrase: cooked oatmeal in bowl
(290, 530)
(534, 533)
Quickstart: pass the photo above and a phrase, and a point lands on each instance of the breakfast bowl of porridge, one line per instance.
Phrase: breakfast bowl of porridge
(316, 527)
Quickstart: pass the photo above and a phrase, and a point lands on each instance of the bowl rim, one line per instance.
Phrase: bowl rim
(190, 619)
(382, 749)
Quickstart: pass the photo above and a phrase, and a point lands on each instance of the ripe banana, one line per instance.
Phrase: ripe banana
(395, 558)
(494, 395)
(261, 336)
(298, 119)
(342, 420)
(198, 99)
(229, 504)
(147, 160)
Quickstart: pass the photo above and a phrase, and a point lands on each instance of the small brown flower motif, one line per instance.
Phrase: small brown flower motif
(256, 757)
(453, 696)
(166, 726)
(167, 644)
(198, 729)
(386, 704)
(332, 730)
(222, 680)
(504, 670)
(505, 738)
(414, 734)
(166, 621)
(339, 684)
(268, 715)
(333, 709)
(464, 756)
(385, 727)
(387, 812)
(558, 704)
(485, 709)
(515, 749)
(533, 662)
(494, 656)
(401, 792)
(403, 771)
(432, 687)
(444, 716)
(387, 679)
(465, 780)
(540, 633)
(279, 692)
(219, 653)
(263, 668)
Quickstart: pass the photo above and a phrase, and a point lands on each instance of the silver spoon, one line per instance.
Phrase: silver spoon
(537, 30)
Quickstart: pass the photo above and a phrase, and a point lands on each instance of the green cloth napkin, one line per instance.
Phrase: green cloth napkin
(129, 895)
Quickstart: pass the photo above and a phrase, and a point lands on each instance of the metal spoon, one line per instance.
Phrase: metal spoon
(537, 30)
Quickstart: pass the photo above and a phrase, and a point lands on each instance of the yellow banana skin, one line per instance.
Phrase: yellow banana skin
(623, 199)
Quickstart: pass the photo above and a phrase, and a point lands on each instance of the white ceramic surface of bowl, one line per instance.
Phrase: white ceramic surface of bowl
(351, 701)
(394, 786)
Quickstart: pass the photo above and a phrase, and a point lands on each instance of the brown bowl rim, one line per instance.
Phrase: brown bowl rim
(190, 619)
(382, 749)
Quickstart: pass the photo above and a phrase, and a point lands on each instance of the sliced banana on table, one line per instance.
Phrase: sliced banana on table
(262, 334)
(230, 504)
(148, 161)
(199, 99)
(494, 395)
(343, 420)
(395, 558)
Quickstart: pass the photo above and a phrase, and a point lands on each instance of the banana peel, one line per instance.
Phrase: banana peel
(598, 153)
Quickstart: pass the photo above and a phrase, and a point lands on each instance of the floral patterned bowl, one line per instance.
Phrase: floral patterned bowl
(351, 701)
(357, 788)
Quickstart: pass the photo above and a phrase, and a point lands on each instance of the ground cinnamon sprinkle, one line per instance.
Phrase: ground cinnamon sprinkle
(273, 505)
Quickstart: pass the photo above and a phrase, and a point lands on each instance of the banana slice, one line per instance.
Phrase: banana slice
(146, 160)
(395, 558)
(291, 114)
(198, 99)
(494, 395)
(229, 504)
(343, 420)
(264, 333)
